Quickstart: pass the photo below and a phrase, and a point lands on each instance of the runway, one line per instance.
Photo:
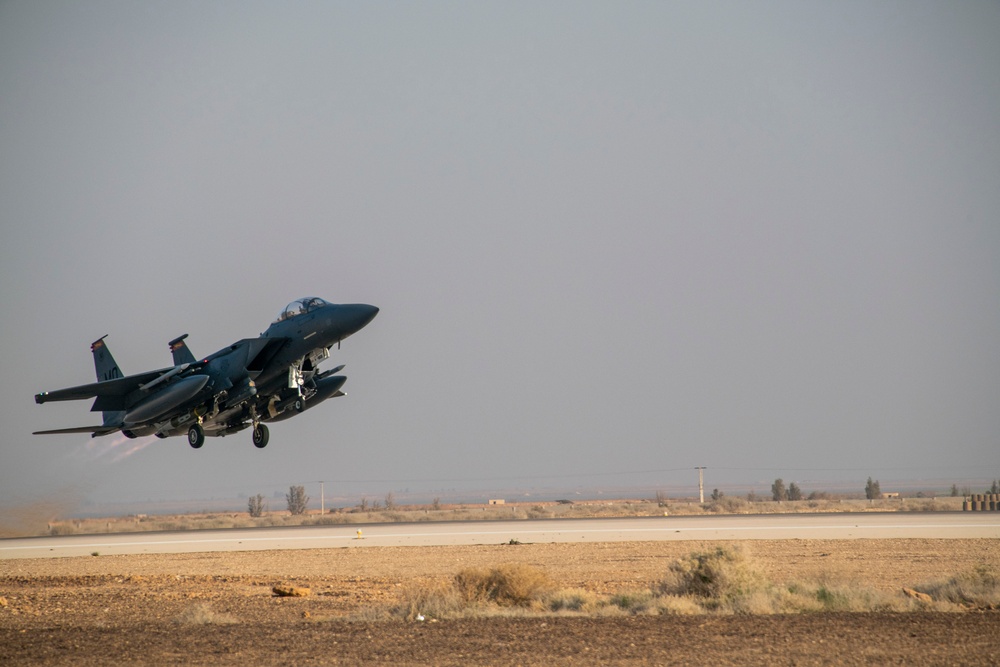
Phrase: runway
(940, 525)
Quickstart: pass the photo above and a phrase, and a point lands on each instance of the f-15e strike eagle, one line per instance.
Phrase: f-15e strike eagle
(253, 381)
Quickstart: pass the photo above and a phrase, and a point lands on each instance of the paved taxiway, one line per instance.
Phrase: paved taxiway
(952, 525)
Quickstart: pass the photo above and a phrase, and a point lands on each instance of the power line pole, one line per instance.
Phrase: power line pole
(322, 502)
(701, 484)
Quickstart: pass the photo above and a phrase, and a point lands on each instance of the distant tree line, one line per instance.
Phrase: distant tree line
(780, 493)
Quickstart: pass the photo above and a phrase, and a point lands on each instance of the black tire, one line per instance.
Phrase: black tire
(196, 436)
(260, 436)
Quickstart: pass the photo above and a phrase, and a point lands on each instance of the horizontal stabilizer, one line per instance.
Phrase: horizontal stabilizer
(93, 430)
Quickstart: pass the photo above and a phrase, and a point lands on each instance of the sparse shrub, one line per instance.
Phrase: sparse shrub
(436, 505)
(297, 500)
(538, 512)
(722, 581)
(794, 492)
(573, 599)
(326, 520)
(62, 529)
(752, 497)
(634, 602)
(433, 599)
(756, 602)
(830, 599)
(979, 588)
(824, 597)
(661, 499)
(873, 490)
(677, 605)
(390, 501)
(717, 495)
(729, 504)
(255, 506)
(511, 584)
(715, 575)
(778, 491)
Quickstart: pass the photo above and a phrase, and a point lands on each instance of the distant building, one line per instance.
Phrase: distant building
(891, 494)
(496, 501)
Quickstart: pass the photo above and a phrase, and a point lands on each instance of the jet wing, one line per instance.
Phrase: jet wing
(255, 352)
(116, 387)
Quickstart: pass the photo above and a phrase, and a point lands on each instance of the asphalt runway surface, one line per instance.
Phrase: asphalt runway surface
(941, 525)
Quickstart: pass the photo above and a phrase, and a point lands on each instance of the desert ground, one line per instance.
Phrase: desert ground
(221, 609)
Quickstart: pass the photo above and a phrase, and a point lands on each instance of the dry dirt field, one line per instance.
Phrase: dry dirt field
(219, 609)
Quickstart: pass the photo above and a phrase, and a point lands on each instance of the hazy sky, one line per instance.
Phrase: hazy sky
(610, 241)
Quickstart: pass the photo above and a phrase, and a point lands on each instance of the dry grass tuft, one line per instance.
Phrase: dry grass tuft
(509, 585)
(202, 614)
(977, 589)
(477, 592)
(722, 581)
(432, 599)
(573, 600)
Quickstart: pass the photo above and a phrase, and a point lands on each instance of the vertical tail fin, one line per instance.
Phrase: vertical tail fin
(107, 369)
(182, 354)
(104, 363)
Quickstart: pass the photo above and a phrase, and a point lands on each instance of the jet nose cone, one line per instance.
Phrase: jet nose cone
(360, 314)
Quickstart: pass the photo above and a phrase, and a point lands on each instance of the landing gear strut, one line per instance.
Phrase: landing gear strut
(260, 436)
(196, 436)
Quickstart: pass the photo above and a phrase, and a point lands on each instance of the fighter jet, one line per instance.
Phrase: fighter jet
(253, 381)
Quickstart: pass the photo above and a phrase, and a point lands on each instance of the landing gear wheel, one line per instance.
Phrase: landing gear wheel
(196, 436)
(260, 436)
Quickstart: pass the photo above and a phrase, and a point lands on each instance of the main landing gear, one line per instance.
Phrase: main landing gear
(260, 436)
(196, 436)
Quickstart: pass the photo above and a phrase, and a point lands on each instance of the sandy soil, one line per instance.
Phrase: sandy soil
(219, 608)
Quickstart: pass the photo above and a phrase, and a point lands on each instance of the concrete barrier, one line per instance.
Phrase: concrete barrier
(982, 502)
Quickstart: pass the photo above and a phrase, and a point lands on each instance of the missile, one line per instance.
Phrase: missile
(163, 378)
(241, 393)
(328, 387)
(330, 372)
(281, 406)
(166, 399)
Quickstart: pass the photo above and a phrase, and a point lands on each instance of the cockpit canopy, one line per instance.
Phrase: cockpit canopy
(300, 307)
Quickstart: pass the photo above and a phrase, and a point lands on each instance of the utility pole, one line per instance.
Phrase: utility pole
(701, 484)
(322, 503)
